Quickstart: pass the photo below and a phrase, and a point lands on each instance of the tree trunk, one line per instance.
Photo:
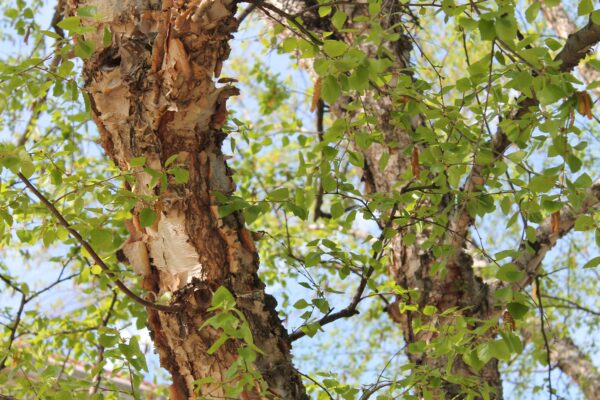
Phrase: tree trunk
(152, 95)
(411, 265)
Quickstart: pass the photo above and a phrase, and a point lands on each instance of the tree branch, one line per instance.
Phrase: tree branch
(532, 254)
(351, 309)
(13, 329)
(567, 303)
(576, 48)
(101, 348)
(559, 20)
(569, 358)
(61, 219)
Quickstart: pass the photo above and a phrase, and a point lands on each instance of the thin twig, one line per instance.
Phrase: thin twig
(13, 329)
(351, 309)
(318, 384)
(101, 348)
(543, 329)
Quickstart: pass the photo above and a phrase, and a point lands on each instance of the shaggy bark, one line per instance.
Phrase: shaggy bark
(153, 95)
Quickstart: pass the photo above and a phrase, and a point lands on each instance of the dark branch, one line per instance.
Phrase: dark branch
(351, 309)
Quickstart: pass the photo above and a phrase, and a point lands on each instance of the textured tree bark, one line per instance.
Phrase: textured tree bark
(152, 95)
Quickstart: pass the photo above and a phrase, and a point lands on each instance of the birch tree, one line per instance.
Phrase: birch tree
(444, 207)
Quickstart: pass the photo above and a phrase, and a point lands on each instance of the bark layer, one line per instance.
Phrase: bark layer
(153, 96)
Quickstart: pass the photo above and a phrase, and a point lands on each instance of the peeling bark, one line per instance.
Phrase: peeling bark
(153, 95)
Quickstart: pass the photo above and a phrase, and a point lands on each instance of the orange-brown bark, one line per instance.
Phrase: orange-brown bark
(153, 95)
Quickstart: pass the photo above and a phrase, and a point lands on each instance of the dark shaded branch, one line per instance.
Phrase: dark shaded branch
(544, 335)
(320, 129)
(578, 46)
(569, 304)
(559, 20)
(13, 330)
(351, 309)
(265, 7)
(246, 12)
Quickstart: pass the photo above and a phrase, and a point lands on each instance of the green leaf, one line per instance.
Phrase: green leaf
(334, 48)
(300, 304)
(137, 162)
(324, 11)
(170, 160)
(584, 223)
(96, 269)
(499, 350)
(147, 217)
(338, 19)
(542, 183)
(329, 183)
(50, 34)
(429, 310)
(517, 310)
(356, 158)
(512, 341)
(27, 168)
(101, 239)
(593, 263)
(289, 44)
(281, 194)
(417, 347)
(484, 352)
(181, 175)
(506, 29)
(472, 360)
(70, 23)
(533, 11)
(86, 11)
(222, 298)
(585, 7)
(487, 30)
(330, 89)
(510, 273)
(84, 49)
(322, 305)
(217, 344)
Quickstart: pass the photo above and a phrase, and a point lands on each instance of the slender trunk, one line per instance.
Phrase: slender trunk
(152, 95)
